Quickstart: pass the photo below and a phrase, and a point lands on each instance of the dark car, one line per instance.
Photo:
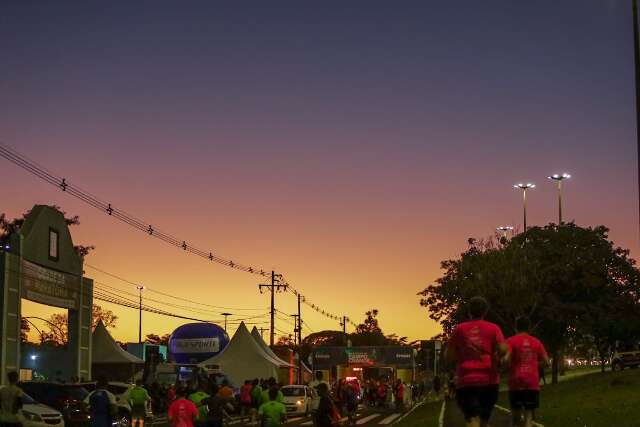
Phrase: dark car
(66, 398)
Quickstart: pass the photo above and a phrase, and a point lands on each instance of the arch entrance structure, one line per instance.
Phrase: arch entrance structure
(38, 263)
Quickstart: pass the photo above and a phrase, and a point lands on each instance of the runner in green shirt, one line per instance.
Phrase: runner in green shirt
(265, 394)
(273, 413)
(199, 399)
(138, 398)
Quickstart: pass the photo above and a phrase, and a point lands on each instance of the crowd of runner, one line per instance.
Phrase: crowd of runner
(479, 351)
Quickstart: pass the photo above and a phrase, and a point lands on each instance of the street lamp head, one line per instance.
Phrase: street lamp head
(526, 186)
(226, 314)
(559, 177)
(505, 228)
(140, 287)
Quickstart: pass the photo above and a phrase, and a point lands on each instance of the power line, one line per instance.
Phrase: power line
(121, 215)
(145, 226)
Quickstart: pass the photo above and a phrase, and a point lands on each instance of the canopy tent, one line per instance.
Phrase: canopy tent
(256, 336)
(109, 359)
(243, 358)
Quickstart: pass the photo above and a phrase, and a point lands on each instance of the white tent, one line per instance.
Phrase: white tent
(243, 358)
(256, 336)
(110, 360)
(104, 349)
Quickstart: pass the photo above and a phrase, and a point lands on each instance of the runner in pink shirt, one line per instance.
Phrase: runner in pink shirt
(476, 346)
(527, 353)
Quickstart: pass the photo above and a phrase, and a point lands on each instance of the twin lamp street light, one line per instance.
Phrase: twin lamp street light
(529, 186)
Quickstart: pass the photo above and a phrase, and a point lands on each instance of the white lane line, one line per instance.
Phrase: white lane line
(290, 420)
(308, 423)
(508, 412)
(367, 419)
(441, 419)
(389, 419)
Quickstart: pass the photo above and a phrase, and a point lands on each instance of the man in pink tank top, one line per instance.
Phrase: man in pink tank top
(476, 346)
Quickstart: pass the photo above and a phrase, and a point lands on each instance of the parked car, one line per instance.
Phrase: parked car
(68, 399)
(34, 414)
(297, 399)
(121, 392)
(625, 359)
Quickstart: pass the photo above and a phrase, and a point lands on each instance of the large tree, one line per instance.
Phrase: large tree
(566, 279)
(57, 326)
(157, 339)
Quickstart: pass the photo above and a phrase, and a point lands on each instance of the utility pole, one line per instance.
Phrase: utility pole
(636, 55)
(344, 330)
(273, 287)
(140, 288)
(225, 319)
(296, 322)
(299, 340)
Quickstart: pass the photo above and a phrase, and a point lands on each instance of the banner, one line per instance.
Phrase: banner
(50, 287)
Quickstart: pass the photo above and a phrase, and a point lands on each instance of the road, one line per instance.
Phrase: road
(365, 417)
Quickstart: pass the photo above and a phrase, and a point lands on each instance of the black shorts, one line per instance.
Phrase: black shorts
(477, 401)
(524, 399)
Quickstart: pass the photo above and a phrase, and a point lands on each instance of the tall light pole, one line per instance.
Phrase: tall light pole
(225, 319)
(636, 56)
(140, 288)
(524, 188)
(504, 229)
(558, 178)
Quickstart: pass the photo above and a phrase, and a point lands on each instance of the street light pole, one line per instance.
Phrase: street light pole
(557, 177)
(504, 230)
(636, 56)
(225, 319)
(524, 188)
(140, 288)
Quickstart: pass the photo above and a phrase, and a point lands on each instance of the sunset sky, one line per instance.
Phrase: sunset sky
(351, 146)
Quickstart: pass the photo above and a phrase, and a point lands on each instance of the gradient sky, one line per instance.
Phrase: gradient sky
(350, 145)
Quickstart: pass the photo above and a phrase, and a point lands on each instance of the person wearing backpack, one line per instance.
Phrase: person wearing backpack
(273, 413)
(10, 402)
(351, 402)
(102, 404)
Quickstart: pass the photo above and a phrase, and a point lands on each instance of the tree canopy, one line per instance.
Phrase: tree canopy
(571, 282)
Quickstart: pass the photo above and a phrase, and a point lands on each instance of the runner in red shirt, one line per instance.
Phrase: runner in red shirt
(477, 346)
(527, 353)
(182, 412)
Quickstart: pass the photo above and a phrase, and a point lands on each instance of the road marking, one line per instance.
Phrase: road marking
(308, 423)
(366, 419)
(508, 412)
(441, 419)
(290, 420)
(389, 419)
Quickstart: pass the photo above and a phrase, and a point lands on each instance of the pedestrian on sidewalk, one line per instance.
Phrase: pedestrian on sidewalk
(102, 404)
(476, 346)
(527, 355)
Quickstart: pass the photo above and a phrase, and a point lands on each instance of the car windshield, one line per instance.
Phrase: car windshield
(293, 391)
(75, 392)
(28, 400)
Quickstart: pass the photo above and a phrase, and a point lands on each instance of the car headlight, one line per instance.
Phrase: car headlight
(299, 402)
(30, 416)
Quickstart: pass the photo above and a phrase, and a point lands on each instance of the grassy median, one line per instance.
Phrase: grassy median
(610, 399)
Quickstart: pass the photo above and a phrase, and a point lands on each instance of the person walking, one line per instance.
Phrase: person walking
(272, 413)
(182, 412)
(326, 415)
(138, 399)
(475, 347)
(199, 399)
(245, 398)
(527, 356)
(102, 404)
(11, 402)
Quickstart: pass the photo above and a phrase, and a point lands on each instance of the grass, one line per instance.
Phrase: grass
(611, 399)
(425, 416)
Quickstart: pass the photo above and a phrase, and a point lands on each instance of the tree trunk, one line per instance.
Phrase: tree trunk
(555, 366)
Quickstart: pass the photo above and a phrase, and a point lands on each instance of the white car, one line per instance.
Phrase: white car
(297, 399)
(34, 414)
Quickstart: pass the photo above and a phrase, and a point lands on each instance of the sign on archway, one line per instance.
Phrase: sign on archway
(39, 263)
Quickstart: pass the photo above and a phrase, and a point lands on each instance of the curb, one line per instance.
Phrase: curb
(508, 411)
(416, 406)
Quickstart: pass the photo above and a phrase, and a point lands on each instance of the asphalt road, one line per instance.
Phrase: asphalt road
(365, 417)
